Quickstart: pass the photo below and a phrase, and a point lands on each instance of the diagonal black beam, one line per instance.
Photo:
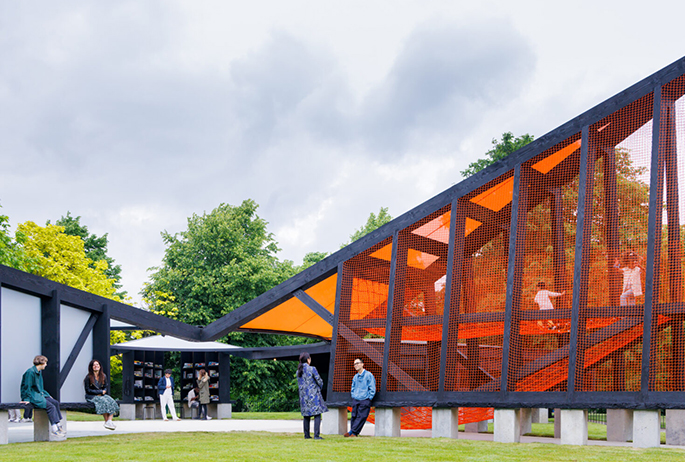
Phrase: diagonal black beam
(69, 363)
(313, 305)
(378, 358)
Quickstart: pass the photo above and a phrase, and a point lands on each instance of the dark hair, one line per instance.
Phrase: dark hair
(304, 357)
(541, 285)
(167, 371)
(91, 373)
(40, 359)
(202, 373)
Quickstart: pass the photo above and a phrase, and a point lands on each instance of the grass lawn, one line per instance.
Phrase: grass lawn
(260, 446)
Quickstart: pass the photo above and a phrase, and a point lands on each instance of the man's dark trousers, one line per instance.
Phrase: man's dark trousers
(360, 411)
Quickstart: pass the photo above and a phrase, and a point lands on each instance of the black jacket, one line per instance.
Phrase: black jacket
(94, 389)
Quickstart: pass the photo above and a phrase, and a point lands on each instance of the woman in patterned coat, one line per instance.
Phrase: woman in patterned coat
(311, 402)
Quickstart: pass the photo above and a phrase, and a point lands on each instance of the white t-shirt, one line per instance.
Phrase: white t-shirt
(191, 395)
(543, 301)
(632, 280)
(168, 391)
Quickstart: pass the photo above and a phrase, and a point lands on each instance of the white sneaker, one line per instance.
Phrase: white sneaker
(109, 425)
(209, 418)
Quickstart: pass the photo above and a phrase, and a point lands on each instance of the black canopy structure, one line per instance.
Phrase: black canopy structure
(441, 302)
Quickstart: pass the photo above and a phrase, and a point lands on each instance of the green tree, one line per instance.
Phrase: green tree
(372, 223)
(500, 150)
(62, 258)
(223, 260)
(312, 258)
(12, 251)
(94, 246)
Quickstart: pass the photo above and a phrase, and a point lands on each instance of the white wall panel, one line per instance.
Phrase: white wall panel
(20, 330)
(72, 321)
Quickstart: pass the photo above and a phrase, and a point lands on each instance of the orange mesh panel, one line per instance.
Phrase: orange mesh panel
(418, 304)
(362, 314)
(551, 204)
(620, 146)
(497, 197)
(420, 418)
(668, 340)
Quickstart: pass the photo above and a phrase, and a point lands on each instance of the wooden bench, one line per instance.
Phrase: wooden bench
(41, 424)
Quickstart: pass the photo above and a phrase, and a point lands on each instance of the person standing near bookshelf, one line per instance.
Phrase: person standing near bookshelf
(165, 387)
(203, 386)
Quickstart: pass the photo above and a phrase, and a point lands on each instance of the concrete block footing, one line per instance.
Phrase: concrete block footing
(127, 411)
(540, 415)
(574, 426)
(388, 421)
(619, 425)
(224, 410)
(445, 422)
(476, 427)
(507, 425)
(675, 427)
(334, 422)
(4, 426)
(41, 426)
(526, 415)
(646, 428)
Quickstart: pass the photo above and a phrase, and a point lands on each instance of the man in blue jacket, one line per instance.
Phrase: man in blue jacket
(165, 387)
(363, 391)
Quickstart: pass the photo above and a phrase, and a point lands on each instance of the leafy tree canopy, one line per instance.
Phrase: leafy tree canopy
(372, 223)
(500, 150)
(62, 258)
(94, 246)
(12, 252)
(224, 259)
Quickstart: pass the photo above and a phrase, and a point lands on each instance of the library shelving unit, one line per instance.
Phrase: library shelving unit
(217, 365)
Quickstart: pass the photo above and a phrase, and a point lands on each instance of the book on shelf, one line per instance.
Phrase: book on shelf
(214, 373)
(137, 398)
(148, 374)
(137, 373)
(213, 385)
(138, 384)
(199, 364)
(214, 397)
(158, 366)
(137, 363)
(149, 364)
(149, 387)
(158, 374)
(187, 365)
(149, 398)
(212, 363)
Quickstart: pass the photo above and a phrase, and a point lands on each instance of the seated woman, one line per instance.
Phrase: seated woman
(95, 385)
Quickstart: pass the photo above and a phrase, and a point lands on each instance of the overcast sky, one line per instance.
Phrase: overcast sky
(136, 114)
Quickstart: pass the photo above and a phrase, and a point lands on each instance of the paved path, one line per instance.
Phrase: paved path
(23, 432)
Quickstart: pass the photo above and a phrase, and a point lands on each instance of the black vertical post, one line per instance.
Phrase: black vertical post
(127, 389)
(455, 257)
(511, 348)
(101, 340)
(655, 204)
(396, 294)
(50, 342)
(224, 377)
(576, 369)
(559, 256)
